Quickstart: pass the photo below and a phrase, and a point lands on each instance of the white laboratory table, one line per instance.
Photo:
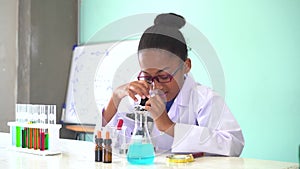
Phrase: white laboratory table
(80, 154)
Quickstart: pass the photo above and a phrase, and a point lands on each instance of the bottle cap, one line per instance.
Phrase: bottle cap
(107, 140)
(98, 134)
(119, 124)
(107, 135)
(98, 138)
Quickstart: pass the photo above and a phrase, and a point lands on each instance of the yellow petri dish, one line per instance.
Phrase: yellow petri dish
(180, 158)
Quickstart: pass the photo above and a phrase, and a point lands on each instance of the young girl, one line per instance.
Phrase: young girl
(189, 117)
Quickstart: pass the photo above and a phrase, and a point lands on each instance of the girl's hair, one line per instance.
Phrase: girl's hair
(165, 34)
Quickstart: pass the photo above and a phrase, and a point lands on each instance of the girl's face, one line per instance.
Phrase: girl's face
(164, 65)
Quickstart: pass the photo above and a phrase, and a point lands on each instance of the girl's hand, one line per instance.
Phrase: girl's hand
(157, 107)
(132, 89)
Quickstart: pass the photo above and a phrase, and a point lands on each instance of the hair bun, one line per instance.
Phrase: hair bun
(170, 20)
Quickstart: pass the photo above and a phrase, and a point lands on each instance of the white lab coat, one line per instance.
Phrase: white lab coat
(203, 124)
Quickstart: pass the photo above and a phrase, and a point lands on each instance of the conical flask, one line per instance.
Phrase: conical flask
(141, 150)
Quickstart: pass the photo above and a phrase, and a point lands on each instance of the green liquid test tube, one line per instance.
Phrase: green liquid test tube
(46, 141)
(18, 136)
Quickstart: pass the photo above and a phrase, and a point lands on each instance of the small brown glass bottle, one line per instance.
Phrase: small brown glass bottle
(98, 148)
(107, 150)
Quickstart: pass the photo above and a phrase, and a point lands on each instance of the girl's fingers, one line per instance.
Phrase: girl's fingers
(155, 106)
(144, 87)
(130, 94)
(140, 88)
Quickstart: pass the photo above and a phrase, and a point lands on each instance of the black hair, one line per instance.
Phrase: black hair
(165, 34)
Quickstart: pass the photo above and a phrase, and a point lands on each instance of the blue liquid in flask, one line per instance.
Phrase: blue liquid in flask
(139, 153)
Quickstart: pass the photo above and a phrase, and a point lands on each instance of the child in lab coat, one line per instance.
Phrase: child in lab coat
(189, 117)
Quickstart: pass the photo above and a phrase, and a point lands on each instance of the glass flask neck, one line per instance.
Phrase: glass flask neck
(141, 132)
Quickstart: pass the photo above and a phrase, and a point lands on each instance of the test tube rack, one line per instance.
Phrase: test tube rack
(39, 139)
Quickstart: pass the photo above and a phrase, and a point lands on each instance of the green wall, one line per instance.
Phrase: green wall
(257, 43)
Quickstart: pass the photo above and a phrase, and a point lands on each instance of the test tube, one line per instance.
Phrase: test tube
(42, 139)
(18, 136)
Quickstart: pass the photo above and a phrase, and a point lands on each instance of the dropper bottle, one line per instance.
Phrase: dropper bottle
(98, 148)
(107, 152)
(121, 137)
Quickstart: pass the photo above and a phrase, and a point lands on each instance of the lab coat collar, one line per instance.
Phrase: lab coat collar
(183, 96)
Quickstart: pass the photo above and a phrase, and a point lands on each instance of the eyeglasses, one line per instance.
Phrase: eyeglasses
(159, 78)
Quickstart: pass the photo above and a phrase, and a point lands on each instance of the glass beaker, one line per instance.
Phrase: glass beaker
(141, 150)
